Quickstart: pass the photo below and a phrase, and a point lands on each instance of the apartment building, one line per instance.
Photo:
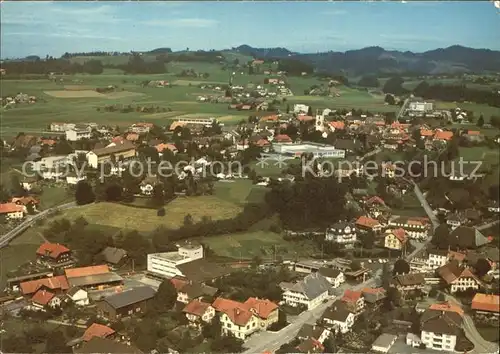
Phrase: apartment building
(440, 329)
(166, 264)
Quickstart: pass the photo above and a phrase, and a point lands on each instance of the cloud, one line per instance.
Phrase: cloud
(183, 22)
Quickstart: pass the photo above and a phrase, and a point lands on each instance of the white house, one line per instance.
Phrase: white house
(13, 211)
(310, 291)
(437, 259)
(76, 134)
(198, 312)
(78, 296)
(338, 318)
(73, 179)
(384, 343)
(440, 330)
(457, 277)
(341, 233)
(44, 298)
(334, 276)
(165, 264)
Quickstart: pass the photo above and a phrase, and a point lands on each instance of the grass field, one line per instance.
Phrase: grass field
(145, 220)
(240, 192)
(257, 243)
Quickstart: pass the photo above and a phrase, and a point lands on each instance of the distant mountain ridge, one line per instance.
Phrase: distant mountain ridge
(454, 59)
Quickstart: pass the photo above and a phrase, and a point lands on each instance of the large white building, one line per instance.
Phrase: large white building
(418, 106)
(341, 233)
(440, 330)
(78, 134)
(318, 150)
(165, 264)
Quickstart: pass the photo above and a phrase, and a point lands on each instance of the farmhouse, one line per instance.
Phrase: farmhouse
(310, 291)
(78, 296)
(125, 150)
(54, 254)
(97, 330)
(457, 277)
(12, 210)
(55, 284)
(126, 303)
(92, 277)
(198, 311)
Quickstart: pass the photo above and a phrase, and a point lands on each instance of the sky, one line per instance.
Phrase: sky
(41, 28)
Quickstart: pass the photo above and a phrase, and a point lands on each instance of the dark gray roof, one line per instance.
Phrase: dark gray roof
(104, 345)
(310, 331)
(130, 297)
(329, 272)
(467, 237)
(442, 322)
(337, 312)
(96, 279)
(195, 290)
(312, 286)
(201, 270)
(113, 255)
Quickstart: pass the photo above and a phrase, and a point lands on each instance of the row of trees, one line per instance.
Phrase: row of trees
(44, 67)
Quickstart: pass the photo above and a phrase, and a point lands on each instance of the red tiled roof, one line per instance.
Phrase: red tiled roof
(132, 136)
(42, 297)
(85, 271)
(97, 330)
(446, 306)
(283, 138)
(53, 283)
(375, 200)
(262, 307)
(351, 296)
(178, 283)
(338, 124)
(161, 147)
(48, 142)
(304, 118)
(473, 132)
(53, 250)
(10, 208)
(268, 118)
(400, 234)
(196, 307)
(367, 222)
(25, 200)
(117, 139)
(426, 132)
(373, 290)
(456, 255)
(485, 302)
(236, 311)
(443, 135)
(262, 142)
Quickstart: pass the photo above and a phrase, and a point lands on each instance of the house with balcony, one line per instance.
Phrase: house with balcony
(310, 291)
(338, 317)
(409, 282)
(244, 319)
(365, 223)
(440, 329)
(342, 233)
(199, 312)
(54, 255)
(458, 277)
(415, 227)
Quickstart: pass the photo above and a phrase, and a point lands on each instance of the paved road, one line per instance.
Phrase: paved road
(487, 225)
(481, 345)
(264, 341)
(403, 108)
(30, 220)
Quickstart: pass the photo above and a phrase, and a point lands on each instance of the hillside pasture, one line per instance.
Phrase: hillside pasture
(75, 94)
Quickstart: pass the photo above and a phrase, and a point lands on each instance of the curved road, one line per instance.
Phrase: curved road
(30, 220)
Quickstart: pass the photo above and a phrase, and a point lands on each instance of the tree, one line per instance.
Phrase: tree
(16, 344)
(56, 343)
(480, 121)
(212, 329)
(188, 220)
(166, 296)
(401, 267)
(256, 261)
(394, 85)
(369, 81)
(330, 344)
(482, 267)
(441, 236)
(84, 193)
(310, 111)
(355, 265)
(158, 195)
(227, 344)
(389, 99)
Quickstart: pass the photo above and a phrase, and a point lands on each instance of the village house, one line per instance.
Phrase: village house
(97, 330)
(310, 346)
(342, 233)
(415, 227)
(78, 133)
(243, 319)
(310, 291)
(338, 317)
(78, 296)
(334, 276)
(140, 128)
(115, 257)
(195, 291)
(61, 127)
(56, 284)
(376, 207)
(161, 148)
(44, 298)
(366, 223)
(12, 211)
(354, 301)
(395, 239)
(54, 255)
(126, 303)
(123, 151)
(440, 329)
(457, 277)
(409, 282)
(384, 342)
(198, 312)
(486, 304)
(316, 332)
